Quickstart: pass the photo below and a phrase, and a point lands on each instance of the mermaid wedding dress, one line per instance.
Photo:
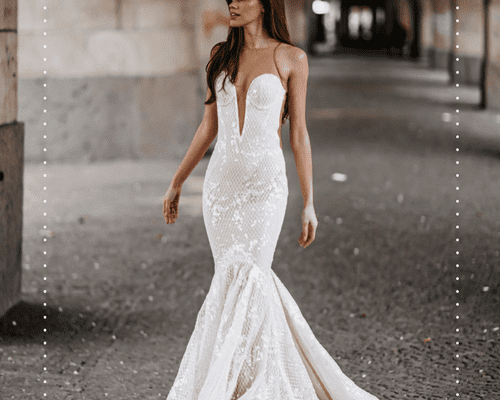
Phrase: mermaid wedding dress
(250, 340)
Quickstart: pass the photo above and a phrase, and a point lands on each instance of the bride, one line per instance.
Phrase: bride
(250, 339)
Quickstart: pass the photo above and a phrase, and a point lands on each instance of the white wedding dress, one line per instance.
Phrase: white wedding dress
(250, 341)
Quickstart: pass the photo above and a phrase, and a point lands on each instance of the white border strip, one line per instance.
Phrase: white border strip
(457, 278)
(45, 201)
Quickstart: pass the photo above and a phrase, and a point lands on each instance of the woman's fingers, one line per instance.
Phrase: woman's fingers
(308, 234)
(311, 233)
(171, 205)
(304, 231)
(304, 236)
(170, 212)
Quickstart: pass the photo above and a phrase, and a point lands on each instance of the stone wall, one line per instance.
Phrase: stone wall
(11, 162)
(121, 78)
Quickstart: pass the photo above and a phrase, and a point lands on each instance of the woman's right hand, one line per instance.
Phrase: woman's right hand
(171, 204)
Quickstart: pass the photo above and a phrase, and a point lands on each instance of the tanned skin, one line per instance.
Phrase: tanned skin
(296, 70)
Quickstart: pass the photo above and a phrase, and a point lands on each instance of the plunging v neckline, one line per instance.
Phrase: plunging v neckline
(240, 132)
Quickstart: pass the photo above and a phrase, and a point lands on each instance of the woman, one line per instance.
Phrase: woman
(250, 339)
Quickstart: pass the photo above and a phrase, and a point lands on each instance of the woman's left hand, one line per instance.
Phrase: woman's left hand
(309, 225)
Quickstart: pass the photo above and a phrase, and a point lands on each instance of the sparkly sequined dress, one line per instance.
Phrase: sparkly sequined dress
(250, 340)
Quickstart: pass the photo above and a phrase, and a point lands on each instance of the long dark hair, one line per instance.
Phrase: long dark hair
(227, 54)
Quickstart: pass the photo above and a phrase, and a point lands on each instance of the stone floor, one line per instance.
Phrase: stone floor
(378, 285)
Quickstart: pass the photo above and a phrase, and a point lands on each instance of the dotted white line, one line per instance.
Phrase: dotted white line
(457, 356)
(45, 201)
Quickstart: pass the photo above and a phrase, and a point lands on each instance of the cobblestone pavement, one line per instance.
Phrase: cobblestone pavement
(378, 285)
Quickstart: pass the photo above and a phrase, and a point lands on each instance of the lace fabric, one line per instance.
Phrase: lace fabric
(250, 340)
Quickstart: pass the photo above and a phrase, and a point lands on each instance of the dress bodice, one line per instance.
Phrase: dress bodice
(258, 147)
(264, 99)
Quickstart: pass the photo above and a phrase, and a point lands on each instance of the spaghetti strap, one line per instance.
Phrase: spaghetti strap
(274, 59)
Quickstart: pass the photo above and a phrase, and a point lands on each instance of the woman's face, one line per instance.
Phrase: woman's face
(247, 10)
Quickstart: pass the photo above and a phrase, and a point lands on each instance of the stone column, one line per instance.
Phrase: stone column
(11, 162)
(427, 31)
(390, 15)
(442, 33)
(492, 81)
(416, 23)
(470, 41)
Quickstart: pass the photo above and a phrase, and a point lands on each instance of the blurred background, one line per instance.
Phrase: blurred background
(126, 79)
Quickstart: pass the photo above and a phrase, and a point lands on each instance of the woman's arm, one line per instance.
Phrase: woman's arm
(206, 133)
(299, 137)
(299, 140)
(301, 147)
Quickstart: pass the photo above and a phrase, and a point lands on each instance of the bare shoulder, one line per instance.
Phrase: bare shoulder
(294, 59)
(299, 61)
